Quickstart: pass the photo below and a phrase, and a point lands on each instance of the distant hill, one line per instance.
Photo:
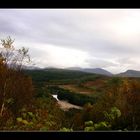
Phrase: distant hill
(31, 68)
(129, 73)
(92, 70)
(75, 68)
(100, 71)
(41, 76)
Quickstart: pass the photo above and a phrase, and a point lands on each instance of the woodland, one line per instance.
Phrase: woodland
(108, 103)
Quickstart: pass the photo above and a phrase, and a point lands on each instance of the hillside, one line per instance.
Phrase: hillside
(57, 76)
(92, 70)
(76, 72)
(130, 73)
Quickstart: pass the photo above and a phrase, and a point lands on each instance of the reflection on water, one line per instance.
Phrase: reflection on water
(55, 96)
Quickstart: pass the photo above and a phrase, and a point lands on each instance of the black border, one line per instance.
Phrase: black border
(67, 135)
(67, 4)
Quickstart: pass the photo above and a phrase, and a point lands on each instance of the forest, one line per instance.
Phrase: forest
(26, 102)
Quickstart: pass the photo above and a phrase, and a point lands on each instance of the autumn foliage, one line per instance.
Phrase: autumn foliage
(113, 105)
(16, 89)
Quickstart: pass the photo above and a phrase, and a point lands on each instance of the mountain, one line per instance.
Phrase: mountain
(74, 68)
(92, 70)
(31, 67)
(130, 73)
(98, 71)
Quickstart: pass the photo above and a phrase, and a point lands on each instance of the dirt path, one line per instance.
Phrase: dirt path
(66, 106)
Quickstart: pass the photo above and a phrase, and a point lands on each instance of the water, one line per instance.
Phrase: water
(65, 105)
(55, 96)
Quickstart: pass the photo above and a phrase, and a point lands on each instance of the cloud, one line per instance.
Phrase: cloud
(100, 63)
(101, 37)
(56, 56)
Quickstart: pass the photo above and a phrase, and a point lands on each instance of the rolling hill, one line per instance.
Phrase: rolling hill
(92, 70)
(78, 71)
(130, 73)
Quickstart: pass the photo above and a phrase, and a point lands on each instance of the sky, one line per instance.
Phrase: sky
(87, 38)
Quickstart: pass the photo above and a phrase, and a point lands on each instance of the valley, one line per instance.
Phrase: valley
(69, 70)
(66, 100)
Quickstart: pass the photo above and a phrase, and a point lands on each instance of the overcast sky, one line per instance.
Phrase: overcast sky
(88, 38)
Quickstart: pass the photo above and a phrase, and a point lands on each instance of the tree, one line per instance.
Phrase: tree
(106, 124)
(12, 57)
(16, 89)
(131, 91)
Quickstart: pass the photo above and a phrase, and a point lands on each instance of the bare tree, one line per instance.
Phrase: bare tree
(13, 58)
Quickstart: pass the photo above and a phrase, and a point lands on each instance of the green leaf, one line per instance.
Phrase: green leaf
(25, 122)
(30, 114)
(89, 123)
(89, 128)
(64, 129)
(102, 126)
(19, 119)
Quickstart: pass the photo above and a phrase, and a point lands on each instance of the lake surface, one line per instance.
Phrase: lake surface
(65, 105)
